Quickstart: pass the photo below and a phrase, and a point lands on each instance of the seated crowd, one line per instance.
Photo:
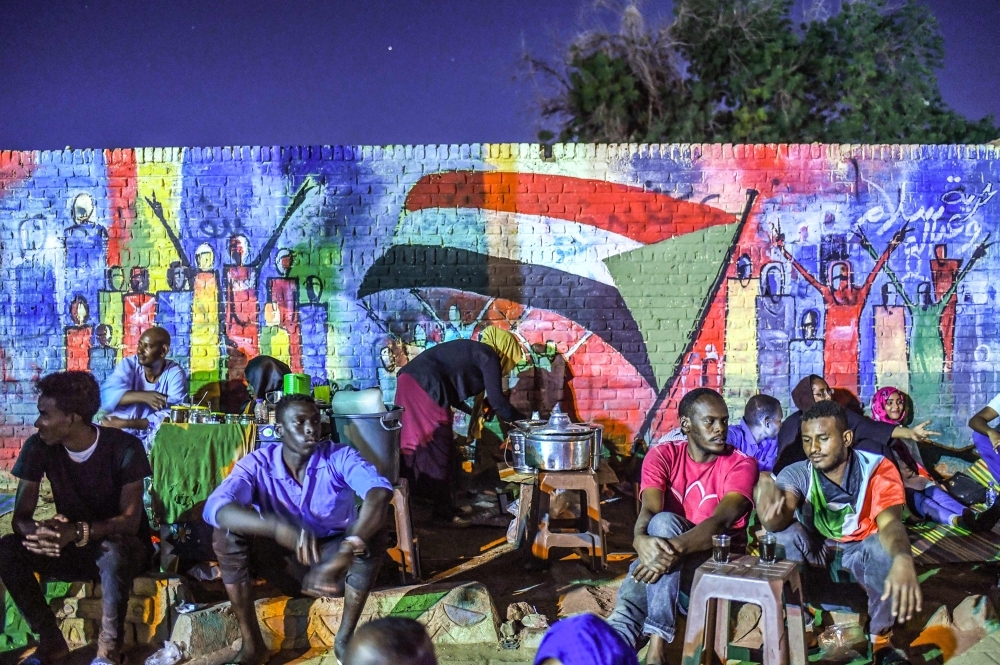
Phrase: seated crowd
(306, 513)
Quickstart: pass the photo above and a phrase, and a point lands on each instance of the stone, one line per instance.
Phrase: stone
(747, 633)
(452, 614)
(78, 632)
(517, 610)
(584, 599)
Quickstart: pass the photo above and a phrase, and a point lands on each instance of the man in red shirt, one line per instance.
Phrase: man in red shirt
(691, 490)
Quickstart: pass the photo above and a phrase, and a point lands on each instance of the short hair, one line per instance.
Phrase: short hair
(287, 401)
(397, 640)
(72, 392)
(827, 409)
(760, 407)
(689, 400)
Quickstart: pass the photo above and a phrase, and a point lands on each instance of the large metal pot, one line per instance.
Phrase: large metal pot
(556, 445)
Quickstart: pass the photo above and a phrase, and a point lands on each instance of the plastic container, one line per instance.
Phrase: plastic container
(350, 401)
(297, 384)
(375, 436)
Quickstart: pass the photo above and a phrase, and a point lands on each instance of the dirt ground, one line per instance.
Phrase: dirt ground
(567, 585)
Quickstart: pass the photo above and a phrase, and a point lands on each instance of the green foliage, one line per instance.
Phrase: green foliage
(740, 71)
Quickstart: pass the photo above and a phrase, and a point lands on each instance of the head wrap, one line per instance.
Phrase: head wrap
(878, 406)
(506, 346)
(585, 639)
(265, 374)
(802, 393)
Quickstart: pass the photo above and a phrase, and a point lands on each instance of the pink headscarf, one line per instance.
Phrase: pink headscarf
(878, 406)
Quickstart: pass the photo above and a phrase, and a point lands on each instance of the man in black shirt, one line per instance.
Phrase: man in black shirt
(100, 532)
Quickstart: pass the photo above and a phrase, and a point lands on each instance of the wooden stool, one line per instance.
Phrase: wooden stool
(406, 553)
(746, 580)
(589, 533)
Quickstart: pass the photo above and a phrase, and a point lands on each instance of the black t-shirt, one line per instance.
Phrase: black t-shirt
(453, 371)
(88, 491)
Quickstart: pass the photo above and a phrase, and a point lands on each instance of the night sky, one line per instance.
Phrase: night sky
(190, 72)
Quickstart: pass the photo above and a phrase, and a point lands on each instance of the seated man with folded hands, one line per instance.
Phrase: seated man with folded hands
(692, 489)
(288, 511)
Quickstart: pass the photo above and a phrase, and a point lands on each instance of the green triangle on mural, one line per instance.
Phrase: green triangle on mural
(667, 286)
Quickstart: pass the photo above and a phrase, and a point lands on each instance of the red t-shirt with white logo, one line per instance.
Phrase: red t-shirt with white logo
(693, 490)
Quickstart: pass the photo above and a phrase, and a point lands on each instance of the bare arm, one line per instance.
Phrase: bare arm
(775, 506)
(52, 535)
(25, 503)
(371, 514)
(901, 584)
(732, 507)
(981, 423)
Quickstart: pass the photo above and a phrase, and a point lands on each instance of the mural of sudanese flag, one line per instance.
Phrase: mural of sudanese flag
(460, 230)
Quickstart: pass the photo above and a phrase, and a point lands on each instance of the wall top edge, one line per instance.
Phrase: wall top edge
(558, 151)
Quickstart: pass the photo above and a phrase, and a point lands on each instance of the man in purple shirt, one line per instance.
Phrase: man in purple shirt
(756, 434)
(291, 508)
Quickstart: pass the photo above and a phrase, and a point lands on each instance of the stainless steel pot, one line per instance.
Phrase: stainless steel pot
(556, 445)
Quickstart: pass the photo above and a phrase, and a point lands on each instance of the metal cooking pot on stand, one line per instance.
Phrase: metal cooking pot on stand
(556, 444)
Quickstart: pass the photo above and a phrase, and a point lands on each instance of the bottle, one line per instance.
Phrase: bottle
(260, 411)
(991, 494)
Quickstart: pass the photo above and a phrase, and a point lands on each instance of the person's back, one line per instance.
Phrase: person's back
(390, 641)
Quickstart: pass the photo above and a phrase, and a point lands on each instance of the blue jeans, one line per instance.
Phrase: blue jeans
(651, 609)
(866, 560)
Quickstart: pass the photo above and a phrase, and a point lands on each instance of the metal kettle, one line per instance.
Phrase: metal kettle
(557, 444)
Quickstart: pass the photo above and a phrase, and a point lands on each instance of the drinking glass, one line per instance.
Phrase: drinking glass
(720, 548)
(768, 548)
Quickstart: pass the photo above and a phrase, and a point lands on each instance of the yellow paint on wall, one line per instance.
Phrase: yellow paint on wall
(891, 367)
(205, 333)
(151, 247)
(113, 314)
(740, 377)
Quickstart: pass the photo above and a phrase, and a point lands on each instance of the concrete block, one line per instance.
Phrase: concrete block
(205, 631)
(140, 609)
(78, 632)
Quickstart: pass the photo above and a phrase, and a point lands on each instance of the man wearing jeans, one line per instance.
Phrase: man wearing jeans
(288, 511)
(848, 503)
(691, 490)
(100, 531)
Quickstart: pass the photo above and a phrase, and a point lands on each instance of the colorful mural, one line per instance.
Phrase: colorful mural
(631, 274)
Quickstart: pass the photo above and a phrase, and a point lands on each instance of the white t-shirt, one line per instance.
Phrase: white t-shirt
(995, 405)
(84, 455)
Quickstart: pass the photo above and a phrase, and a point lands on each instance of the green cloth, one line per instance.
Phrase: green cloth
(189, 461)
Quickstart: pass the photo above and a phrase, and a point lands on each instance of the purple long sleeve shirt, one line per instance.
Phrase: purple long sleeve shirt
(323, 504)
(765, 452)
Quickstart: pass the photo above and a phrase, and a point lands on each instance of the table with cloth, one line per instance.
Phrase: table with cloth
(189, 461)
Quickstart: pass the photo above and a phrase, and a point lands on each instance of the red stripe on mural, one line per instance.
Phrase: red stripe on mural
(122, 189)
(15, 167)
(645, 217)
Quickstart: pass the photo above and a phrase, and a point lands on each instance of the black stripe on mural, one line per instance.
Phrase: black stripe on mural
(595, 306)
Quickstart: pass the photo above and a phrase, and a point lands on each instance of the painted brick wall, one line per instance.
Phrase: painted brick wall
(631, 273)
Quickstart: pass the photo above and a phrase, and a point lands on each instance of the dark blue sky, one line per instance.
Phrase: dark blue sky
(89, 73)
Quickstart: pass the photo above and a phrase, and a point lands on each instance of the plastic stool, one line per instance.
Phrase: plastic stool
(590, 535)
(746, 580)
(406, 552)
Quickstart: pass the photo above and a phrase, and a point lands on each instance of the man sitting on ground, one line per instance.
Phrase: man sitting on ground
(394, 640)
(288, 511)
(849, 505)
(691, 490)
(756, 434)
(139, 393)
(100, 531)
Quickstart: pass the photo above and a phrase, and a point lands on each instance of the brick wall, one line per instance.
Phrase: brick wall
(631, 273)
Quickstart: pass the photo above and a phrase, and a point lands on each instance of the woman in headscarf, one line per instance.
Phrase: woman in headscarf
(923, 495)
(584, 639)
(428, 387)
(263, 374)
(869, 434)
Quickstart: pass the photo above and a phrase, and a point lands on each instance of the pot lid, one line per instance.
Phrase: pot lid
(559, 423)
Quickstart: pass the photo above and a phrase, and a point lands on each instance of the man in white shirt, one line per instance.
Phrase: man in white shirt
(139, 393)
